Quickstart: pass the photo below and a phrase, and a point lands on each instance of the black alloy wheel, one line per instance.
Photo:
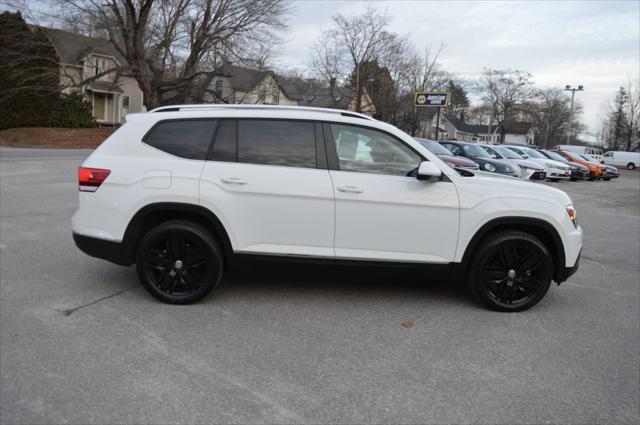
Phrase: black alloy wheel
(179, 262)
(512, 272)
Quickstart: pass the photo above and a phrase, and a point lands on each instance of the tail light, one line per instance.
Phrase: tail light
(90, 179)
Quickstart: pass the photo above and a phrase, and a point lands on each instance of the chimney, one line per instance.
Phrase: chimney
(462, 116)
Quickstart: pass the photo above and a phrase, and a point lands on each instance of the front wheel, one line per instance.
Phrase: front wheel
(631, 166)
(511, 272)
(179, 262)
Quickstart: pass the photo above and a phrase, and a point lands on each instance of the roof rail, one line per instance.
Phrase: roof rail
(210, 106)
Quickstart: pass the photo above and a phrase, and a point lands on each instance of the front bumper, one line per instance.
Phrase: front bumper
(567, 272)
(100, 248)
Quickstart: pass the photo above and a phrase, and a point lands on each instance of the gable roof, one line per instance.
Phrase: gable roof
(323, 98)
(73, 48)
(458, 124)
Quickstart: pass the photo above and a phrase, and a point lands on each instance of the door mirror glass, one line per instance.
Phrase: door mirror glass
(428, 170)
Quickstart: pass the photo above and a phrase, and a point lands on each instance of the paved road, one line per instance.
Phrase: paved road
(81, 342)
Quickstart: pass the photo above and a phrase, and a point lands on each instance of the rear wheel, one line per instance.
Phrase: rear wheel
(511, 272)
(179, 262)
(631, 166)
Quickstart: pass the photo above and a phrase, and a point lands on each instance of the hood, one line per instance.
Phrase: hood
(529, 164)
(458, 161)
(500, 164)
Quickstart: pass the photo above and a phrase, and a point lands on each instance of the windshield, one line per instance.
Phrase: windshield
(573, 156)
(475, 151)
(492, 152)
(555, 156)
(507, 153)
(589, 158)
(434, 147)
(534, 153)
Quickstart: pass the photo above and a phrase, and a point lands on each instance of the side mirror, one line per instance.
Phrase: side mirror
(427, 170)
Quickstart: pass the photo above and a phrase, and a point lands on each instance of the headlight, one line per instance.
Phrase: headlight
(571, 212)
(530, 168)
(489, 167)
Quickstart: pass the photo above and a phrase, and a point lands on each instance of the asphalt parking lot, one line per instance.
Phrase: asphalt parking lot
(82, 342)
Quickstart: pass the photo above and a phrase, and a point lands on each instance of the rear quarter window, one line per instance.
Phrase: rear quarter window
(188, 139)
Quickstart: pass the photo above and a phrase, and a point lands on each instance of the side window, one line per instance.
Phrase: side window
(225, 147)
(277, 142)
(184, 138)
(370, 151)
(608, 154)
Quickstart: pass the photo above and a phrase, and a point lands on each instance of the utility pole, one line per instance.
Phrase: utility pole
(573, 91)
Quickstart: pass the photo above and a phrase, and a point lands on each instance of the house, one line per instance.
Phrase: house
(457, 129)
(517, 132)
(91, 66)
(236, 84)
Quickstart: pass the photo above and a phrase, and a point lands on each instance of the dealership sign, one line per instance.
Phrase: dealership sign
(432, 98)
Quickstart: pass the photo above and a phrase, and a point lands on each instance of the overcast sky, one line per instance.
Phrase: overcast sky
(593, 43)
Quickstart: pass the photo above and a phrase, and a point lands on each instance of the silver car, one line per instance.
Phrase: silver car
(529, 170)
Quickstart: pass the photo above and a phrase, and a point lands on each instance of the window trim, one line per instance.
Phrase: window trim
(144, 138)
(321, 155)
(332, 153)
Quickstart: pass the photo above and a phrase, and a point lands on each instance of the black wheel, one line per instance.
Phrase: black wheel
(511, 272)
(631, 166)
(179, 262)
(606, 179)
(591, 179)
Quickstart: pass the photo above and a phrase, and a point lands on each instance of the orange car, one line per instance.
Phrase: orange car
(596, 170)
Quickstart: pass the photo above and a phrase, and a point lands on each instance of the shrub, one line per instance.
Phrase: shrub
(70, 111)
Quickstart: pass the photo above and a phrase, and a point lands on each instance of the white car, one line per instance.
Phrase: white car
(187, 192)
(528, 170)
(630, 160)
(555, 170)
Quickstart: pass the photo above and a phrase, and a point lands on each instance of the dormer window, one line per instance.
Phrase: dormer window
(99, 66)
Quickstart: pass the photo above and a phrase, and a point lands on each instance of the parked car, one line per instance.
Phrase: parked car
(578, 171)
(188, 192)
(612, 172)
(631, 160)
(607, 173)
(596, 170)
(555, 170)
(449, 158)
(588, 150)
(529, 170)
(477, 154)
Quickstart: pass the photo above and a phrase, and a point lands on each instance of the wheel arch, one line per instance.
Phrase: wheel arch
(151, 215)
(541, 229)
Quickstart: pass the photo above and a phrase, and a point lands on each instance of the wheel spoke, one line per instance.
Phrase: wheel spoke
(530, 262)
(157, 261)
(193, 282)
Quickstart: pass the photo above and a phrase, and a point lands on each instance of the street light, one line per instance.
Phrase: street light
(573, 91)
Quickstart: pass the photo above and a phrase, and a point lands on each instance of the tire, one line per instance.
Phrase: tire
(591, 179)
(179, 262)
(606, 179)
(511, 271)
(631, 166)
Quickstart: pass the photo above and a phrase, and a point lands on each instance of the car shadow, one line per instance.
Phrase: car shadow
(301, 280)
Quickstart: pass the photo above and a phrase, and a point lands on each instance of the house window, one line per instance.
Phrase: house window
(275, 95)
(125, 105)
(219, 89)
(99, 66)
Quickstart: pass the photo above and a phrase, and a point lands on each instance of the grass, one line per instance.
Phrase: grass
(61, 138)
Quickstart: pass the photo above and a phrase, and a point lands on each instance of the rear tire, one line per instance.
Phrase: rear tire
(511, 271)
(631, 166)
(179, 262)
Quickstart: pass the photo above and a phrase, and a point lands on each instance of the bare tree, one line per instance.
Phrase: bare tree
(352, 42)
(550, 112)
(171, 46)
(505, 91)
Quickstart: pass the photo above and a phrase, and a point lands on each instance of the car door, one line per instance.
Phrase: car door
(382, 212)
(268, 183)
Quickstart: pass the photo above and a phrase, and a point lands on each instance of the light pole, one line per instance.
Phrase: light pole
(573, 91)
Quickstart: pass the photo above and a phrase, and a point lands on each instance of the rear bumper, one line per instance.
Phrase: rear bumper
(100, 248)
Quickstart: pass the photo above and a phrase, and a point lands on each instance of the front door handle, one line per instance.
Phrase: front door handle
(233, 180)
(350, 189)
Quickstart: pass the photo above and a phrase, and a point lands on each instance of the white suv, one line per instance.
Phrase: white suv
(186, 192)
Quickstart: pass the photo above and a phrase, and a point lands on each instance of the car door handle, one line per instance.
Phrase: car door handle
(350, 189)
(233, 180)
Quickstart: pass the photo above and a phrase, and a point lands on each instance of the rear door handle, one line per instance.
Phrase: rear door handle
(233, 180)
(350, 189)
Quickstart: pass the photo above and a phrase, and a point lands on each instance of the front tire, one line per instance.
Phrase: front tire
(179, 262)
(631, 166)
(511, 271)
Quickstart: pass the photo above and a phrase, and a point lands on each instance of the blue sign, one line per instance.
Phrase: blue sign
(432, 98)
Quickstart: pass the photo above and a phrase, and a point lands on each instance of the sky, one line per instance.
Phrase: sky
(592, 43)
